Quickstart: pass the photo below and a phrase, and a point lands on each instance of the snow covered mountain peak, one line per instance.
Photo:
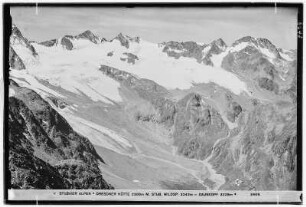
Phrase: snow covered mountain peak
(244, 39)
(22, 52)
(262, 45)
(18, 39)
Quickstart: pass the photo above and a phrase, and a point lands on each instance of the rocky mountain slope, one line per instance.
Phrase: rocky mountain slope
(45, 152)
(202, 53)
(175, 115)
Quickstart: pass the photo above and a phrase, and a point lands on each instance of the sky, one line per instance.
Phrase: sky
(160, 24)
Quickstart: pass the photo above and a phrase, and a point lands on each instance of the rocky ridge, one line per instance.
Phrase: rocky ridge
(67, 43)
(202, 53)
(54, 155)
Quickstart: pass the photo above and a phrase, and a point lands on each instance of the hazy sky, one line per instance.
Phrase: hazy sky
(161, 24)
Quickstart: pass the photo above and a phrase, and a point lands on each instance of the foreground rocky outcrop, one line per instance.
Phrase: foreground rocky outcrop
(44, 151)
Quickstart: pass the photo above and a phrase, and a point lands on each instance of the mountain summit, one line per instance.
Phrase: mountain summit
(125, 39)
(262, 44)
(18, 39)
(90, 36)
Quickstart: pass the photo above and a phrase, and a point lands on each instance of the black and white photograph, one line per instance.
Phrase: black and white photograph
(138, 102)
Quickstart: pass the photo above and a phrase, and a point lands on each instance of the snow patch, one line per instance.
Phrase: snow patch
(176, 50)
(285, 56)
(25, 54)
(81, 43)
(11, 92)
(112, 134)
(32, 83)
(217, 59)
(240, 46)
(205, 50)
(267, 52)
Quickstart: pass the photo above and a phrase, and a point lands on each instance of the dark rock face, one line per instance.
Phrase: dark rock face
(66, 43)
(265, 158)
(66, 40)
(17, 37)
(194, 50)
(125, 40)
(268, 84)
(234, 111)
(49, 43)
(184, 49)
(292, 91)
(197, 127)
(28, 171)
(15, 61)
(219, 44)
(13, 83)
(82, 176)
(55, 156)
(131, 58)
(89, 35)
(244, 39)
(118, 75)
(110, 54)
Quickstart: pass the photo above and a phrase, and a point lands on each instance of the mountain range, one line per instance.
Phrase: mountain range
(87, 112)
